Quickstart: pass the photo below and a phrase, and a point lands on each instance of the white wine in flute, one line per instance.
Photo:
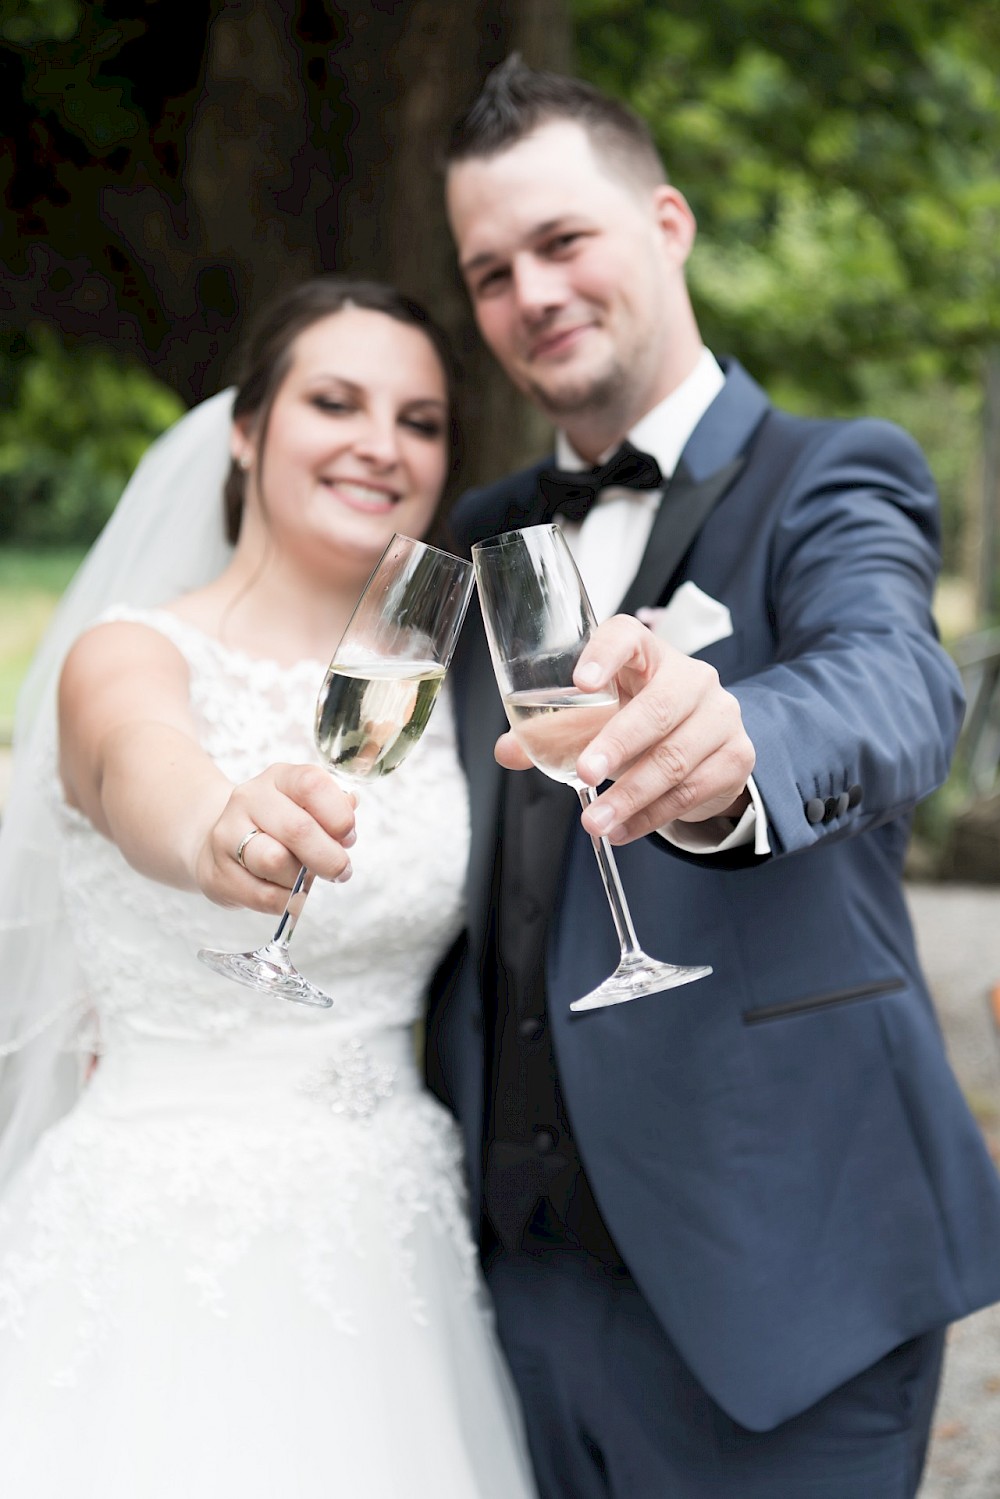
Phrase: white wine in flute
(370, 715)
(554, 725)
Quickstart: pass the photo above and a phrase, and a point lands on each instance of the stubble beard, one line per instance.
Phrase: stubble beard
(600, 396)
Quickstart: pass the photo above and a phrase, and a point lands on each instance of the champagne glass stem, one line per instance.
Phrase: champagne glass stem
(269, 968)
(613, 886)
(293, 909)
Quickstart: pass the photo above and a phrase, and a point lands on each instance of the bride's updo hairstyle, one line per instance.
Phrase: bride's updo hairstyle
(267, 357)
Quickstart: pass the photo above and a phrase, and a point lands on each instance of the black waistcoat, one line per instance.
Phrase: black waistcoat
(534, 1184)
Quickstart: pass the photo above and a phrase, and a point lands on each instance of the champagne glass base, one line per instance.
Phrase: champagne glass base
(634, 977)
(270, 970)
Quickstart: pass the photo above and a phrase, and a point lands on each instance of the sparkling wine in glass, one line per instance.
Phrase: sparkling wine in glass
(538, 620)
(374, 704)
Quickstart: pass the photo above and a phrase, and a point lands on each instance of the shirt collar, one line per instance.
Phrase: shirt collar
(664, 431)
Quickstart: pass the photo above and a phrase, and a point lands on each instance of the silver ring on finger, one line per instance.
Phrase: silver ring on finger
(243, 848)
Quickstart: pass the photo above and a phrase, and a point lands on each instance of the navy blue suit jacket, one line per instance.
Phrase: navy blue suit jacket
(781, 1151)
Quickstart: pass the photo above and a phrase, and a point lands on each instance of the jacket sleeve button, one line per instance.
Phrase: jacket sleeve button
(815, 808)
(854, 795)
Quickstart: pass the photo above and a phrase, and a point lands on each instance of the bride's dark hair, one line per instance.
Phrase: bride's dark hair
(267, 354)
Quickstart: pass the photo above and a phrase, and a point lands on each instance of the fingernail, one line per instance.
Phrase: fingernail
(596, 766)
(344, 875)
(349, 839)
(588, 675)
(603, 819)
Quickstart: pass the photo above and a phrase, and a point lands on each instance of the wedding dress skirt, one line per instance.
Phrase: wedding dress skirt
(240, 1266)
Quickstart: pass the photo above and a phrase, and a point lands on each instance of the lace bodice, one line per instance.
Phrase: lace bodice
(372, 943)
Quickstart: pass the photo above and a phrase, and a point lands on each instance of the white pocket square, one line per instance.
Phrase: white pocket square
(691, 621)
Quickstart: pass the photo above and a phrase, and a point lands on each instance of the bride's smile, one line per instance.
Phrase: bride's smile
(360, 420)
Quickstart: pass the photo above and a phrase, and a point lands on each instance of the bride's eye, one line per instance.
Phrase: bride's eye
(332, 405)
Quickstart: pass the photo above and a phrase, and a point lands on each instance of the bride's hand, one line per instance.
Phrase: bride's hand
(301, 816)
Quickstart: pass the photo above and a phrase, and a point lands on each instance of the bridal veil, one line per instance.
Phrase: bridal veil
(164, 538)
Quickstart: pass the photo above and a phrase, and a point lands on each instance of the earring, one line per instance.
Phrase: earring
(244, 461)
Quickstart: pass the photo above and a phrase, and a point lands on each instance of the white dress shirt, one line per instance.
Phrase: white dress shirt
(608, 546)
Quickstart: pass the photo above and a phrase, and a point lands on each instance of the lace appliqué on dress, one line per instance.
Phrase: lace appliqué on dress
(351, 1082)
(95, 1195)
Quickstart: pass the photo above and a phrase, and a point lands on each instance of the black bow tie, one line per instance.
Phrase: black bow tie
(572, 493)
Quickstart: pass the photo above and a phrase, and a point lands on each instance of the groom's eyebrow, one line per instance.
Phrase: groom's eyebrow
(489, 257)
(477, 262)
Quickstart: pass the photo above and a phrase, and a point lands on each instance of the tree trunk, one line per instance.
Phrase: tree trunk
(307, 138)
(431, 60)
(223, 237)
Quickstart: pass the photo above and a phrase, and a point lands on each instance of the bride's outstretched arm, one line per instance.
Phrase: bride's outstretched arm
(131, 762)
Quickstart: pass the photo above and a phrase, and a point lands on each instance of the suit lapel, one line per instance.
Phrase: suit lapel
(483, 720)
(712, 459)
(683, 510)
(481, 717)
(513, 508)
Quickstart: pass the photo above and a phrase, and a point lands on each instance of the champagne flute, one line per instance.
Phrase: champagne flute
(538, 619)
(373, 706)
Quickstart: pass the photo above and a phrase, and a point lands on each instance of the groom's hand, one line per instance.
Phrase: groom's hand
(675, 749)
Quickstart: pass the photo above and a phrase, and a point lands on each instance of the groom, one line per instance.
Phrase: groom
(724, 1226)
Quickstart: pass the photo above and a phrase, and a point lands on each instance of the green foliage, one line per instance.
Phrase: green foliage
(842, 165)
(24, 23)
(81, 88)
(78, 424)
(30, 587)
(841, 161)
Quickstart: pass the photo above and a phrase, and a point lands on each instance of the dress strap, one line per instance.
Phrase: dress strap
(192, 643)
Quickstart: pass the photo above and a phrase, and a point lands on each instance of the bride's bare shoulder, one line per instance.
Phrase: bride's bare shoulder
(117, 650)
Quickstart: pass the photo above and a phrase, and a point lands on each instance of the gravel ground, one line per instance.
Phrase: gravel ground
(958, 931)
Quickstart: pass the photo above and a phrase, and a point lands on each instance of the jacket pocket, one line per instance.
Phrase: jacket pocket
(821, 1001)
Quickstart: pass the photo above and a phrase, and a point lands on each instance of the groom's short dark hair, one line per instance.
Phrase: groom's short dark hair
(515, 100)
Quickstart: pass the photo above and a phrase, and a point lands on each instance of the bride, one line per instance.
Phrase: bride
(233, 1253)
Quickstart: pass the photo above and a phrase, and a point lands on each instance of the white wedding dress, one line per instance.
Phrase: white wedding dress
(240, 1266)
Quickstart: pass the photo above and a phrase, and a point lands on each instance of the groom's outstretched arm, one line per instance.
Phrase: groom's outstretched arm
(860, 697)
